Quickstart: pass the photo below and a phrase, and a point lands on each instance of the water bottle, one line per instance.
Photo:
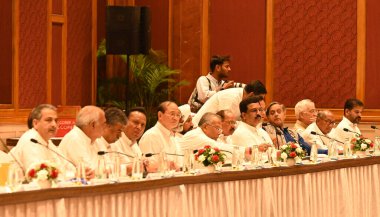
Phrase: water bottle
(100, 172)
(347, 148)
(314, 152)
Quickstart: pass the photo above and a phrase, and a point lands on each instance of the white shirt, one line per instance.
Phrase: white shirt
(341, 135)
(76, 145)
(124, 145)
(226, 99)
(159, 139)
(321, 141)
(196, 139)
(203, 87)
(247, 136)
(27, 152)
(299, 126)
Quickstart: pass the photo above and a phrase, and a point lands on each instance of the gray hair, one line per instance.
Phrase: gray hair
(301, 106)
(207, 118)
(115, 116)
(87, 115)
(36, 113)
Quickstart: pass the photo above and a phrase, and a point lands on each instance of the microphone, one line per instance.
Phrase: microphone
(315, 133)
(113, 152)
(151, 154)
(60, 155)
(347, 130)
(14, 158)
(374, 127)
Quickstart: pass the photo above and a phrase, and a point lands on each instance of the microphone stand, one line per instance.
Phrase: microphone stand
(315, 133)
(347, 130)
(14, 158)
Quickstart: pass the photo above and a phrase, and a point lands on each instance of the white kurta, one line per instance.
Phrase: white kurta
(226, 99)
(27, 152)
(299, 127)
(196, 139)
(124, 145)
(76, 145)
(341, 135)
(321, 141)
(247, 136)
(159, 139)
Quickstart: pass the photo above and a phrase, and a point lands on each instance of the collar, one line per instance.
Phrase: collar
(300, 124)
(81, 134)
(36, 135)
(164, 130)
(249, 127)
(103, 141)
(349, 123)
(212, 78)
(125, 139)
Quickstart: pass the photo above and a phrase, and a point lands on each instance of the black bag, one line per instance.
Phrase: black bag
(194, 102)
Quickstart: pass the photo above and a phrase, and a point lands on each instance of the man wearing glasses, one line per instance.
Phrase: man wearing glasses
(250, 133)
(162, 136)
(305, 113)
(322, 126)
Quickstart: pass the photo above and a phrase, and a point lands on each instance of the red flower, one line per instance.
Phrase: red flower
(292, 154)
(371, 145)
(31, 173)
(207, 146)
(353, 140)
(196, 157)
(216, 149)
(215, 158)
(54, 173)
(200, 151)
(293, 145)
(278, 154)
(43, 166)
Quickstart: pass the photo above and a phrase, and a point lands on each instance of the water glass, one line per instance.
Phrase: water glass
(137, 168)
(15, 177)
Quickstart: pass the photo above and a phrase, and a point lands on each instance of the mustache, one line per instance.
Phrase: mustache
(258, 116)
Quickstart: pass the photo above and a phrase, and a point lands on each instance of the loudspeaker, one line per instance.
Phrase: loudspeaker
(128, 30)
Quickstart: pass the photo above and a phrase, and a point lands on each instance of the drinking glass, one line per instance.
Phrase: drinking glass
(15, 177)
(137, 168)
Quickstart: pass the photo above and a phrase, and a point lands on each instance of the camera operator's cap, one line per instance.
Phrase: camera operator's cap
(185, 111)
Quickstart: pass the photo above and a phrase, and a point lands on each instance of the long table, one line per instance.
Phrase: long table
(343, 188)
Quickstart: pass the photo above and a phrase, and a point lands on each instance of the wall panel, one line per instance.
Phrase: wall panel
(238, 29)
(32, 50)
(372, 87)
(79, 62)
(315, 51)
(56, 61)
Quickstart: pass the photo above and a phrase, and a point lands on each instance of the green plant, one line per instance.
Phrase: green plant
(150, 82)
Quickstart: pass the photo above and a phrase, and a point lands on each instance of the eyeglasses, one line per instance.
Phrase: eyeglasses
(329, 122)
(174, 115)
(220, 130)
(232, 123)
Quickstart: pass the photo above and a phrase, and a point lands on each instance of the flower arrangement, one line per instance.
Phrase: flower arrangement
(42, 171)
(360, 143)
(291, 150)
(209, 156)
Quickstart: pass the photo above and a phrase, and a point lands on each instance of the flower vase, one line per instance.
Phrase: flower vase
(360, 153)
(210, 169)
(44, 184)
(290, 162)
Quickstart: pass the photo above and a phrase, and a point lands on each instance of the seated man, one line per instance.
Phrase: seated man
(44, 127)
(115, 122)
(134, 129)
(162, 137)
(249, 133)
(323, 126)
(78, 144)
(276, 114)
(230, 99)
(353, 109)
(229, 125)
(305, 113)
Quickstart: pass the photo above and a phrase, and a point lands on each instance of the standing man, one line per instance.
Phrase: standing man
(353, 109)
(78, 144)
(162, 137)
(208, 85)
(305, 113)
(43, 120)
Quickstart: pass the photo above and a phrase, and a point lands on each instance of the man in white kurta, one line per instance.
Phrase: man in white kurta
(78, 144)
(322, 127)
(250, 133)
(26, 152)
(305, 113)
(353, 109)
(162, 136)
(230, 99)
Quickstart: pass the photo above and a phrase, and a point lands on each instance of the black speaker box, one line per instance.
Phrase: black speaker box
(128, 30)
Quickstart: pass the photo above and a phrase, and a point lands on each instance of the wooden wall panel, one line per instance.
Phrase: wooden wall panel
(238, 29)
(372, 79)
(32, 53)
(315, 45)
(56, 60)
(6, 52)
(79, 52)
